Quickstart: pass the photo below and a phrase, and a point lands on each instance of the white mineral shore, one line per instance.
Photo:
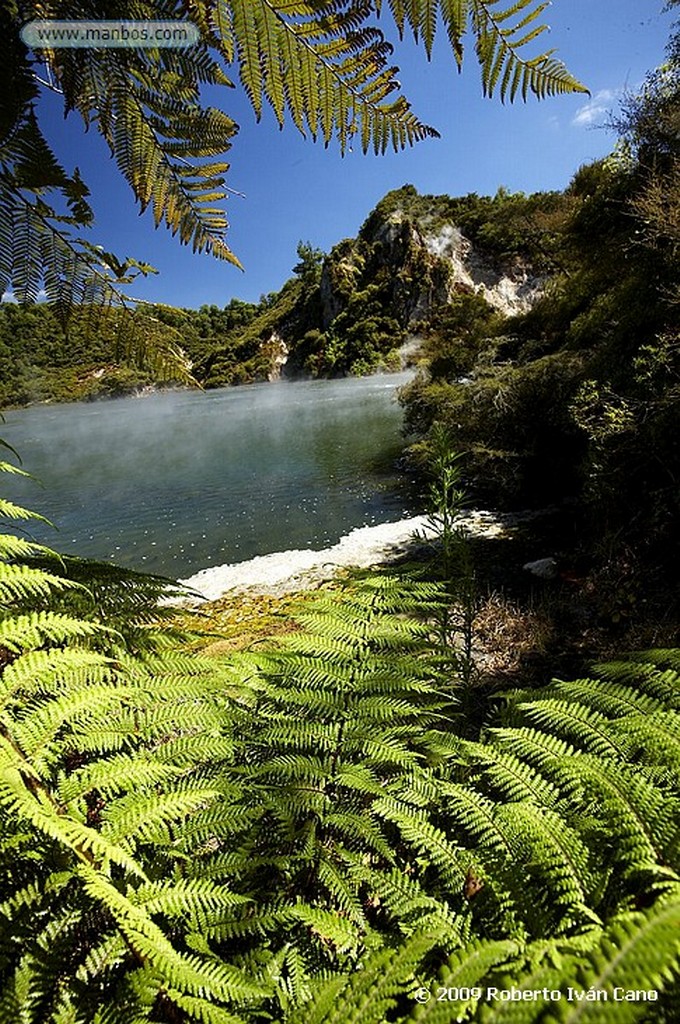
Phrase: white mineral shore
(297, 569)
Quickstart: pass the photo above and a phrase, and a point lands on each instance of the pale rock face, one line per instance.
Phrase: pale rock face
(511, 288)
(510, 292)
(278, 353)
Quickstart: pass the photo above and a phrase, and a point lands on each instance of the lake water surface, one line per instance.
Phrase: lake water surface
(175, 482)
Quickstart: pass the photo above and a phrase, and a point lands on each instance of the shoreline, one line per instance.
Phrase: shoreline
(282, 572)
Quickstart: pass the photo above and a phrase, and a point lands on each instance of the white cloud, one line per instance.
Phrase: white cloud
(596, 107)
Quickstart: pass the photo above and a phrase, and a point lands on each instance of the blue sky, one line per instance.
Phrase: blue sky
(295, 189)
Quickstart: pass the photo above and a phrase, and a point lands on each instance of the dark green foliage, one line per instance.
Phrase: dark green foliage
(41, 359)
(371, 290)
(577, 398)
(506, 227)
(515, 423)
(243, 350)
(308, 267)
(457, 332)
(92, 777)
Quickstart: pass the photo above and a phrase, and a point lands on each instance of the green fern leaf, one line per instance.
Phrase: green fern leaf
(465, 970)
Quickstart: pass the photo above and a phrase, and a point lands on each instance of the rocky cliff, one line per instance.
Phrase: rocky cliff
(428, 262)
(355, 310)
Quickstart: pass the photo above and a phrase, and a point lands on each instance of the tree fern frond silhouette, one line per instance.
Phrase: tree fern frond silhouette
(325, 65)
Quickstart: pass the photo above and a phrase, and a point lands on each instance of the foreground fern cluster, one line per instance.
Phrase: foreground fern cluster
(301, 834)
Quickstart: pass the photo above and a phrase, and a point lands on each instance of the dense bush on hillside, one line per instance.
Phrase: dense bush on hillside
(92, 355)
(344, 313)
(578, 398)
(505, 227)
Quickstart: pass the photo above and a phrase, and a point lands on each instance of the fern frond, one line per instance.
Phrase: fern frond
(202, 1010)
(359, 830)
(659, 657)
(659, 676)
(554, 852)
(24, 583)
(18, 799)
(476, 814)
(192, 898)
(465, 969)
(38, 722)
(636, 952)
(325, 67)
(369, 994)
(148, 818)
(416, 829)
(117, 774)
(589, 727)
(185, 972)
(609, 698)
(655, 736)
(52, 671)
(329, 928)
(510, 776)
(9, 467)
(23, 632)
(502, 29)
(499, 44)
(8, 510)
(642, 818)
(407, 902)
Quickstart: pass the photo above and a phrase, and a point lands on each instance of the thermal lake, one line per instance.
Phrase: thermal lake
(179, 481)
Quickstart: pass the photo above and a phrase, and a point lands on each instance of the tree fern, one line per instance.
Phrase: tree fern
(366, 996)
(330, 768)
(581, 767)
(302, 832)
(501, 32)
(41, 208)
(638, 952)
(326, 65)
(88, 785)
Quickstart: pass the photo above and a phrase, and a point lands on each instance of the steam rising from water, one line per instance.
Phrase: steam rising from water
(178, 481)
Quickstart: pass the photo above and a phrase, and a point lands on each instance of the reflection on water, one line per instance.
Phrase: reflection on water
(177, 481)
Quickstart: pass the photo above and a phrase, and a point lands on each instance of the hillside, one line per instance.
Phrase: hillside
(351, 311)
(544, 327)
(348, 312)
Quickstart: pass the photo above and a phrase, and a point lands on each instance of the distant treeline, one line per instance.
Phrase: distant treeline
(345, 312)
